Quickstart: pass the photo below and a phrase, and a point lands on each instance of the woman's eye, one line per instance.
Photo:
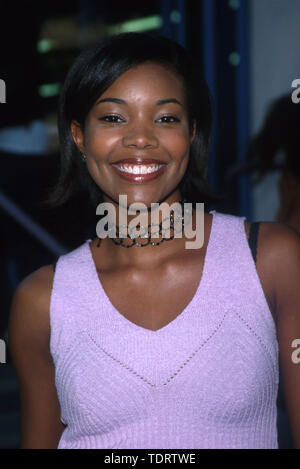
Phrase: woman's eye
(111, 118)
(169, 119)
(117, 119)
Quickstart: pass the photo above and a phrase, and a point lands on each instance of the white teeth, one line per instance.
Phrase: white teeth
(138, 169)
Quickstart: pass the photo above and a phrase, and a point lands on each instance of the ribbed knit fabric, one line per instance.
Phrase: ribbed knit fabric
(208, 379)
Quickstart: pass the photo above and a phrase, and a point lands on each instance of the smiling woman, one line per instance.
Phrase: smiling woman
(89, 93)
(157, 346)
(140, 128)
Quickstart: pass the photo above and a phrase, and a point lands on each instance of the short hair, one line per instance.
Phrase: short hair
(93, 72)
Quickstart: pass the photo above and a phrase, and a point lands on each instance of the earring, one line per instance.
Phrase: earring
(83, 157)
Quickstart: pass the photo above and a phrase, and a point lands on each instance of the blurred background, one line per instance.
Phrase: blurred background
(249, 54)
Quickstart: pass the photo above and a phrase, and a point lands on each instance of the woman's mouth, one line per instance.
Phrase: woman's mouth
(139, 172)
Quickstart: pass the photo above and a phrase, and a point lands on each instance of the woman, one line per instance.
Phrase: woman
(153, 346)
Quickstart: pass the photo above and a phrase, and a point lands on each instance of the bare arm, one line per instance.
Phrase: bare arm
(29, 333)
(285, 253)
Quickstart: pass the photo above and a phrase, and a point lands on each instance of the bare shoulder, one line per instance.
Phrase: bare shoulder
(273, 231)
(278, 248)
(282, 251)
(278, 241)
(31, 304)
(29, 344)
(275, 240)
(279, 259)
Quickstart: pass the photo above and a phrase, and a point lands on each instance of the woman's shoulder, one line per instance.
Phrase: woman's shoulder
(278, 255)
(278, 244)
(31, 304)
(279, 239)
(274, 236)
(38, 282)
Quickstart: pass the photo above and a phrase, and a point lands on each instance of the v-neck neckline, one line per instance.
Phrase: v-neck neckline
(114, 314)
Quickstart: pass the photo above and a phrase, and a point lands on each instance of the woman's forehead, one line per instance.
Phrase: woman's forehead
(150, 78)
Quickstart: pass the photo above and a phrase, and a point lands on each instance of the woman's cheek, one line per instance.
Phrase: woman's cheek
(180, 148)
(101, 142)
(177, 142)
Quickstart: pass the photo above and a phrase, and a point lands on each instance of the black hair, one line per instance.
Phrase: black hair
(93, 72)
(279, 132)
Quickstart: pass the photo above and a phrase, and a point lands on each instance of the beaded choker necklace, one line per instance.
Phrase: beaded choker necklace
(148, 233)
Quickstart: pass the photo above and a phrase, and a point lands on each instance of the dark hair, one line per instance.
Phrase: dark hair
(279, 132)
(93, 72)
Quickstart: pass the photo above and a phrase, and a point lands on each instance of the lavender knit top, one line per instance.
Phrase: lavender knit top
(208, 379)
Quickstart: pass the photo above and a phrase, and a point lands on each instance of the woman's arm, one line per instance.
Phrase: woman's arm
(29, 332)
(284, 254)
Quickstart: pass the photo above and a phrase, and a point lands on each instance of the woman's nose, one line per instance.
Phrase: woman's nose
(141, 137)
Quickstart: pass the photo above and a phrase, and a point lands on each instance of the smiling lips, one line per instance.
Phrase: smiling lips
(139, 171)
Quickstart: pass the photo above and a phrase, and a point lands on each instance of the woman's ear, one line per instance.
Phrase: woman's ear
(77, 135)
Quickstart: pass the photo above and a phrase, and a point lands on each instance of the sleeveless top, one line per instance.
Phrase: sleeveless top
(208, 379)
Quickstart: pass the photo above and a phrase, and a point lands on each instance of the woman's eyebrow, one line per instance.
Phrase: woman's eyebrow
(122, 101)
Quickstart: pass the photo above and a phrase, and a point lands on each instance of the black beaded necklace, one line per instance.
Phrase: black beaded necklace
(120, 241)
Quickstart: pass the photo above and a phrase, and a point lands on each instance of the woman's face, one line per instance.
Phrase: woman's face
(144, 115)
